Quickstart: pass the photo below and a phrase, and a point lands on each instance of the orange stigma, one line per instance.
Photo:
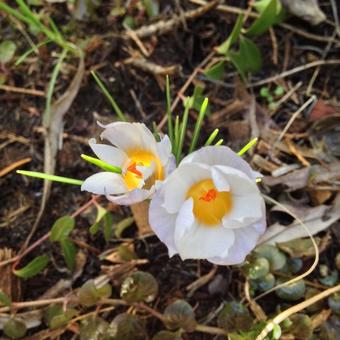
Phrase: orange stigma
(132, 168)
(209, 196)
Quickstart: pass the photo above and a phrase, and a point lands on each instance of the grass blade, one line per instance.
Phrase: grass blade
(168, 110)
(220, 142)
(198, 125)
(176, 136)
(247, 147)
(48, 177)
(183, 129)
(107, 94)
(31, 50)
(212, 137)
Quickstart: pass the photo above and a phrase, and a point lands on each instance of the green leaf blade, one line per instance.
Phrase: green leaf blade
(224, 48)
(266, 19)
(33, 268)
(69, 252)
(61, 228)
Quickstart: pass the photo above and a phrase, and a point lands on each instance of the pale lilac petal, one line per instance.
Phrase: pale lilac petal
(108, 153)
(162, 223)
(130, 136)
(180, 181)
(220, 155)
(245, 241)
(132, 197)
(170, 166)
(105, 183)
(245, 211)
(164, 150)
(197, 241)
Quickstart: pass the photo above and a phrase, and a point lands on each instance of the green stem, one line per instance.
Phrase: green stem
(48, 177)
(183, 129)
(212, 137)
(247, 147)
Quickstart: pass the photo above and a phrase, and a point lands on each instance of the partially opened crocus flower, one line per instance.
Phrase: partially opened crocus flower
(143, 162)
(209, 208)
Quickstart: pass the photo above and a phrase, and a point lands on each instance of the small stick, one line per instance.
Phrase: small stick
(14, 165)
(295, 70)
(31, 92)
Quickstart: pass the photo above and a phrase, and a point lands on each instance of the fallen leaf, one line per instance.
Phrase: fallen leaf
(299, 247)
(307, 10)
(313, 220)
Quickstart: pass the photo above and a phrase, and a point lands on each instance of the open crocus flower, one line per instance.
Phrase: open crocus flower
(143, 162)
(209, 208)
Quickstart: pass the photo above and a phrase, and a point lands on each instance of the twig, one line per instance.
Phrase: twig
(295, 70)
(166, 26)
(317, 70)
(296, 308)
(30, 92)
(14, 165)
(293, 117)
(286, 97)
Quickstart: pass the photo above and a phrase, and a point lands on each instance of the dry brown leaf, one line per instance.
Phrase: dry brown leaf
(307, 10)
(314, 219)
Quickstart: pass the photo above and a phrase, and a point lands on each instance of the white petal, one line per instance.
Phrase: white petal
(162, 223)
(245, 242)
(132, 197)
(245, 211)
(220, 155)
(220, 181)
(196, 241)
(180, 181)
(164, 149)
(240, 183)
(130, 136)
(108, 153)
(105, 183)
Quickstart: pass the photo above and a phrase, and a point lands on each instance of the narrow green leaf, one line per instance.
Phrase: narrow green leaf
(101, 164)
(183, 129)
(51, 86)
(198, 125)
(266, 19)
(62, 228)
(108, 96)
(220, 142)
(176, 136)
(212, 137)
(216, 71)
(122, 225)
(107, 226)
(33, 268)
(247, 146)
(4, 299)
(69, 252)
(224, 48)
(48, 177)
(168, 110)
(30, 51)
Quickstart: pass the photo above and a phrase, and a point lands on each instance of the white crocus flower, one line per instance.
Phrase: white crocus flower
(143, 162)
(209, 208)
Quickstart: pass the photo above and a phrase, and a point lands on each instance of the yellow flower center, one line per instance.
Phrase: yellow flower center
(210, 205)
(144, 158)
